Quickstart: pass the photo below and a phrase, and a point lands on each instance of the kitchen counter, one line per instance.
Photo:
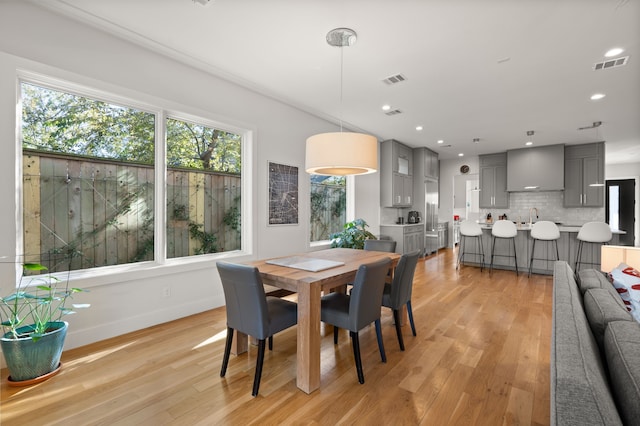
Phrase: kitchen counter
(402, 224)
(567, 248)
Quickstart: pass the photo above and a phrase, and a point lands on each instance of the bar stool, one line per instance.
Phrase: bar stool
(504, 229)
(470, 229)
(543, 231)
(594, 233)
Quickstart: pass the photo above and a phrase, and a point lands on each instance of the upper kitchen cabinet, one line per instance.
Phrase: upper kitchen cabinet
(426, 162)
(584, 175)
(493, 181)
(536, 169)
(396, 169)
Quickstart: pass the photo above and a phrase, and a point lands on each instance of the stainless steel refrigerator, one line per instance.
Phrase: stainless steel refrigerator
(431, 216)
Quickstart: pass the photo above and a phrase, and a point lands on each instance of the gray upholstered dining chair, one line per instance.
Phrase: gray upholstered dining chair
(251, 312)
(380, 245)
(358, 309)
(398, 293)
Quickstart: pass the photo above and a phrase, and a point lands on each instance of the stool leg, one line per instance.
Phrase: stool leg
(460, 251)
(482, 262)
(515, 255)
(533, 249)
(577, 265)
(557, 252)
(493, 246)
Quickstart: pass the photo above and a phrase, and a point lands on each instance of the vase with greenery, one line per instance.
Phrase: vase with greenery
(31, 315)
(353, 235)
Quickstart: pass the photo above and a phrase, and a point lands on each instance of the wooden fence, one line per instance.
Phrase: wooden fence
(328, 214)
(102, 211)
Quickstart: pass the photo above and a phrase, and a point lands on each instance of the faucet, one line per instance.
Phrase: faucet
(531, 215)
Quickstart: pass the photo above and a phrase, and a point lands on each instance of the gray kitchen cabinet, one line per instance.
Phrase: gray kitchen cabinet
(408, 237)
(431, 164)
(536, 169)
(396, 180)
(584, 175)
(493, 181)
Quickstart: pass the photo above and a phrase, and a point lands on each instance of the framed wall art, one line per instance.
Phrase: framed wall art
(283, 194)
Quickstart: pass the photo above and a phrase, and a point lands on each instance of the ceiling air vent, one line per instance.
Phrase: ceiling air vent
(393, 112)
(612, 63)
(398, 78)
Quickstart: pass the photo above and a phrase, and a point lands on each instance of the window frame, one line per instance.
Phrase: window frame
(161, 109)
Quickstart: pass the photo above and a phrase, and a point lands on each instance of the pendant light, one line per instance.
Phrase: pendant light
(341, 153)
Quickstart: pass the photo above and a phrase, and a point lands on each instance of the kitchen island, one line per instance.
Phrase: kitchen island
(567, 249)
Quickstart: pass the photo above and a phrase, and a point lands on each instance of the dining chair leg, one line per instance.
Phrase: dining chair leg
(335, 335)
(227, 351)
(355, 342)
(396, 319)
(383, 355)
(259, 362)
(410, 313)
(270, 343)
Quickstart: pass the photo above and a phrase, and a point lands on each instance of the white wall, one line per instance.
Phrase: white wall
(36, 40)
(628, 171)
(449, 169)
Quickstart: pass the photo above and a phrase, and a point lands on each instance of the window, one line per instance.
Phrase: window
(89, 185)
(328, 206)
(203, 189)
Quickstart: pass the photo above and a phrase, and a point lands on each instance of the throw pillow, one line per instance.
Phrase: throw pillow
(626, 280)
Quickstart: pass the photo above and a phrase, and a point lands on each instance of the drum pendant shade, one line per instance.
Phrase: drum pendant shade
(341, 154)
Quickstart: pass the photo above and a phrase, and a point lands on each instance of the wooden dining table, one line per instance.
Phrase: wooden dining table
(309, 286)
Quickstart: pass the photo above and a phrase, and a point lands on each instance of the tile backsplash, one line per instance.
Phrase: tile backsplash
(549, 205)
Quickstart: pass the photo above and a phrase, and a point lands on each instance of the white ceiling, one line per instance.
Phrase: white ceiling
(487, 69)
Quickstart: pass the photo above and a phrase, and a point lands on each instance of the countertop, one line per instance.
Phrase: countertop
(403, 224)
(562, 228)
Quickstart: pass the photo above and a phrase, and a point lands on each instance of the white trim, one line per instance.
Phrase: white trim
(161, 109)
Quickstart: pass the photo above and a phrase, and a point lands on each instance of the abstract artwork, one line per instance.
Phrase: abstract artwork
(283, 194)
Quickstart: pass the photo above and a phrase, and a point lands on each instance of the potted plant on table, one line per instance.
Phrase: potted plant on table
(352, 235)
(32, 319)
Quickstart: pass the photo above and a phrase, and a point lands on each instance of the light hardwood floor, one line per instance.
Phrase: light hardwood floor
(481, 356)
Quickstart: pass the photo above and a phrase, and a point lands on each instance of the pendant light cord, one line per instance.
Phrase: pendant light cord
(341, 78)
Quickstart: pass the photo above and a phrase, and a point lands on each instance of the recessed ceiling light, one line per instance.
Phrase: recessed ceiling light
(461, 155)
(386, 107)
(418, 128)
(597, 96)
(613, 52)
(440, 141)
(528, 143)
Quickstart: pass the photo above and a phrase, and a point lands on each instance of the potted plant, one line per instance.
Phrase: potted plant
(352, 235)
(32, 319)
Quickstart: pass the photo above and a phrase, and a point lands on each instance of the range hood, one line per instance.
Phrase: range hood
(536, 169)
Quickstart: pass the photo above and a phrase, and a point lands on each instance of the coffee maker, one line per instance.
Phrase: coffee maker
(414, 217)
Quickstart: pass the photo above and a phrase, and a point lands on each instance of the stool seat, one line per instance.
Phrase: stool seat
(591, 233)
(543, 231)
(504, 229)
(470, 229)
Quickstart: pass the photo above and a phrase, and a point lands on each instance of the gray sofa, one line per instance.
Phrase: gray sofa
(595, 352)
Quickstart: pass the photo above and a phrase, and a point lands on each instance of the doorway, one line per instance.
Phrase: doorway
(620, 205)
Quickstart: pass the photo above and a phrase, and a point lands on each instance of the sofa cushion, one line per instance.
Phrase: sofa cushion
(591, 278)
(579, 389)
(601, 307)
(622, 348)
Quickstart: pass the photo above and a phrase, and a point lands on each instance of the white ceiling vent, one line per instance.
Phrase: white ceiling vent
(612, 63)
(394, 79)
(393, 112)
